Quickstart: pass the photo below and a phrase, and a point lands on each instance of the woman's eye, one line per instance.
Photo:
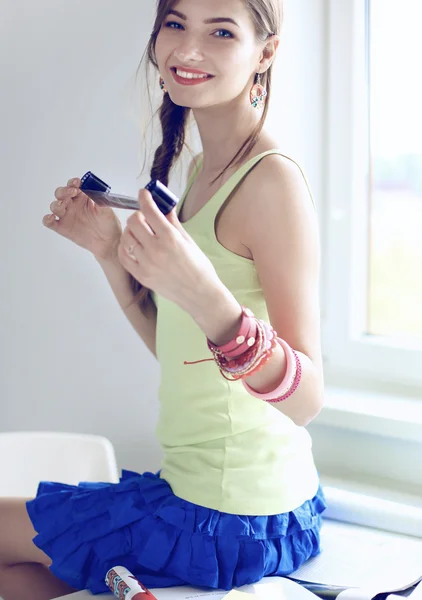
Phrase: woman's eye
(221, 33)
(224, 31)
(169, 23)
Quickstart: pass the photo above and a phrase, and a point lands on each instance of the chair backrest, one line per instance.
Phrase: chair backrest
(26, 458)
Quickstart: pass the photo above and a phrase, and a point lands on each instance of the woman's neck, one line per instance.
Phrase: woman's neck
(222, 134)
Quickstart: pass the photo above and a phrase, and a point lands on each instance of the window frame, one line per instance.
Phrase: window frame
(350, 353)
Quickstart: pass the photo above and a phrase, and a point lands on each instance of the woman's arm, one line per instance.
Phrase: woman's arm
(145, 321)
(279, 225)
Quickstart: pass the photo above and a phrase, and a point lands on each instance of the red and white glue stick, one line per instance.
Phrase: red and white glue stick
(125, 586)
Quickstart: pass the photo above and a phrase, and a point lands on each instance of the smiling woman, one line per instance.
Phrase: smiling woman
(233, 274)
(230, 52)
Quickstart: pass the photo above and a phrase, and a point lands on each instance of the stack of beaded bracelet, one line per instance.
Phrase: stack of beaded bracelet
(241, 362)
(247, 353)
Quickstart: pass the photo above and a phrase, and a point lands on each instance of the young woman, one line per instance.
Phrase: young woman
(233, 277)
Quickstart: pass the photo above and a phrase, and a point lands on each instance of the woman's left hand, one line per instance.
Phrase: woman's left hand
(158, 252)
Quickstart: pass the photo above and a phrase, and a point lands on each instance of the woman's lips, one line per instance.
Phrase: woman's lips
(191, 81)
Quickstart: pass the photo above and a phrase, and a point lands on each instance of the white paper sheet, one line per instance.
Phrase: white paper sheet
(355, 556)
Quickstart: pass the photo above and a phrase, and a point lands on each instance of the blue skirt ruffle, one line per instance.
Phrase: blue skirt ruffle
(165, 541)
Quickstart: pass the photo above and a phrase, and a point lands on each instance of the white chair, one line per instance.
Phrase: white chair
(28, 457)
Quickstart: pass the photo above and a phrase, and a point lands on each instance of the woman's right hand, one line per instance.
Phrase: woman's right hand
(78, 218)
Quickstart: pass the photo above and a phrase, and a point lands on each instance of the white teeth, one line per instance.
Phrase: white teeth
(190, 75)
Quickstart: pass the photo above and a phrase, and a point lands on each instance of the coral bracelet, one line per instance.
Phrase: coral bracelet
(290, 381)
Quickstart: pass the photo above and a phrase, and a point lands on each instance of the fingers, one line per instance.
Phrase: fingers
(156, 220)
(75, 182)
(173, 218)
(139, 227)
(50, 221)
(66, 193)
(58, 207)
(129, 248)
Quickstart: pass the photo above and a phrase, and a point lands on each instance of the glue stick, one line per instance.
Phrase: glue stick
(125, 586)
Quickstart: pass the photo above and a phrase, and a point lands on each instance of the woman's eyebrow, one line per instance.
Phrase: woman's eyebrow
(207, 21)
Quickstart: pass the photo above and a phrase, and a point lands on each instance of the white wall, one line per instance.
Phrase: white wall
(69, 360)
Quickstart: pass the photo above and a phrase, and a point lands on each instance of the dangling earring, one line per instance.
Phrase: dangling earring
(163, 85)
(258, 93)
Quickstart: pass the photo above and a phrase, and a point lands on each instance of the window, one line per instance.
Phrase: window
(372, 284)
(395, 267)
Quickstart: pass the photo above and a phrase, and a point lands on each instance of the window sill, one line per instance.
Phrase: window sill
(371, 412)
(374, 506)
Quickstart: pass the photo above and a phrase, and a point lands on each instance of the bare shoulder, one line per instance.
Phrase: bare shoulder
(277, 203)
(278, 183)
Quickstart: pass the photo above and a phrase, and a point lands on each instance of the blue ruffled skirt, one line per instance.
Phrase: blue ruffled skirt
(165, 541)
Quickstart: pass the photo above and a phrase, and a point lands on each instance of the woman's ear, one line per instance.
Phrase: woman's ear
(269, 52)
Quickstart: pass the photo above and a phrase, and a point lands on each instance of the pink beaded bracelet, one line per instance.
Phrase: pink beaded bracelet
(245, 338)
(295, 382)
(290, 381)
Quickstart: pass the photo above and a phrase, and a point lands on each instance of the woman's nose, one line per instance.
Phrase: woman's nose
(188, 50)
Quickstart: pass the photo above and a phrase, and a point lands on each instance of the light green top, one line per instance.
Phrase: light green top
(223, 448)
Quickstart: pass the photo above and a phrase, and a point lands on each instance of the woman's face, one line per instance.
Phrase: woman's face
(227, 50)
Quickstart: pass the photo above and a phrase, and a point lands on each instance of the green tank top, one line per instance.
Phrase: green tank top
(223, 448)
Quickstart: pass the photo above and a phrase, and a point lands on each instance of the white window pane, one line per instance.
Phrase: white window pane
(395, 46)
